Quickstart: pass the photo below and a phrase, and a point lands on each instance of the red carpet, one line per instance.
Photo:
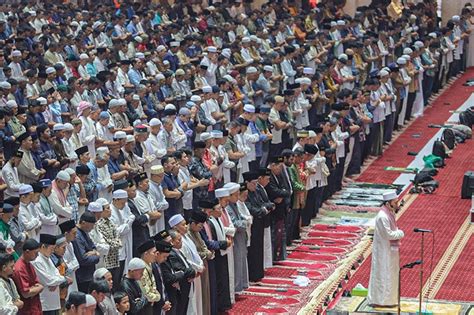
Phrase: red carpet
(458, 285)
(337, 228)
(396, 154)
(444, 211)
(338, 235)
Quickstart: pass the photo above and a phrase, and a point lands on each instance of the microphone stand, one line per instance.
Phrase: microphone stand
(421, 271)
(407, 266)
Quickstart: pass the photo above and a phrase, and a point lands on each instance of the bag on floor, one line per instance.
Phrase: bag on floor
(459, 136)
(422, 177)
(439, 149)
(464, 129)
(465, 120)
(449, 138)
(433, 161)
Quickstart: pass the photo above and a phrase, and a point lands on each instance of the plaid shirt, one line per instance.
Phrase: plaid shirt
(109, 231)
(73, 198)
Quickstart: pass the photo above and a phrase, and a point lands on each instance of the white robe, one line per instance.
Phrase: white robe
(383, 284)
(72, 265)
(49, 277)
(29, 220)
(189, 251)
(101, 245)
(123, 220)
(161, 204)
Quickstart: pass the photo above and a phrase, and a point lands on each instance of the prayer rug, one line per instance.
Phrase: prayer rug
(337, 228)
(327, 242)
(338, 235)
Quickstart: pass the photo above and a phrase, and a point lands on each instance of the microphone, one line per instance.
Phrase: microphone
(412, 264)
(417, 230)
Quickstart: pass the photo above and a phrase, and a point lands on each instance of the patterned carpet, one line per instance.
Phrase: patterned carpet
(336, 240)
(444, 212)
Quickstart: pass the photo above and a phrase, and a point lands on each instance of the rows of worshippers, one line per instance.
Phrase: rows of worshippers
(175, 156)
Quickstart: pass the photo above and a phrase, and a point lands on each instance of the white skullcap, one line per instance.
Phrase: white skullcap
(11, 104)
(175, 220)
(433, 35)
(160, 48)
(102, 202)
(246, 40)
(16, 53)
(166, 62)
(174, 44)
(120, 194)
(407, 51)
(136, 264)
(90, 300)
(232, 187)
(130, 138)
(120, 135)
(155, 122)
(68, 126)
(333, 23)
(135, 97)
(211, 49)
(160, 76)
(251, 70)
(138, 39)
(419, 44)
(70, 171)
(205, 136)
(306, 81)
(170, 107)
(206, 89)
(63, 175)
(383, 73)
(268, 68)
(311, 134)
(308, 70)
(25, 189)
(221, 192)
(341, 22)
(389, 196)
(343, 57)
(217, 134)
(254, 38)
(100, 273)
(195, 98)
(226, 53)
(94, 207)
(401, 61)
(456, 18)
(50, 70)
(42, 100)
(58, 127)
(249, 108)
(407, 57)
(83, 56)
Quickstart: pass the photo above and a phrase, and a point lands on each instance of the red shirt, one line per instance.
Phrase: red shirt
(25, 277)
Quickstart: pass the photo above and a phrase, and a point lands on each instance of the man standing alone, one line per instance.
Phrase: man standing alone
(383, 284)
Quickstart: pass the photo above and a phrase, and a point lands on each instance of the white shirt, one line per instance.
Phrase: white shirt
(49, 277)
(123, 219)
(10, 176)
(30, 221)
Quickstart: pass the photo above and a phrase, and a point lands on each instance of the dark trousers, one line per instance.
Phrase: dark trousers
(339, 174)
(427, 88)
(117, 275)
(83, 286)
(410, 101)
(388, 128)
(292, 224)
(356, 161)
(254, 165)
(309, 207)
(319, 200)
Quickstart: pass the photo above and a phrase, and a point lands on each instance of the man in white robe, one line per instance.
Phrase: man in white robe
(48, 274)
(123, 218)
(383, 284)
